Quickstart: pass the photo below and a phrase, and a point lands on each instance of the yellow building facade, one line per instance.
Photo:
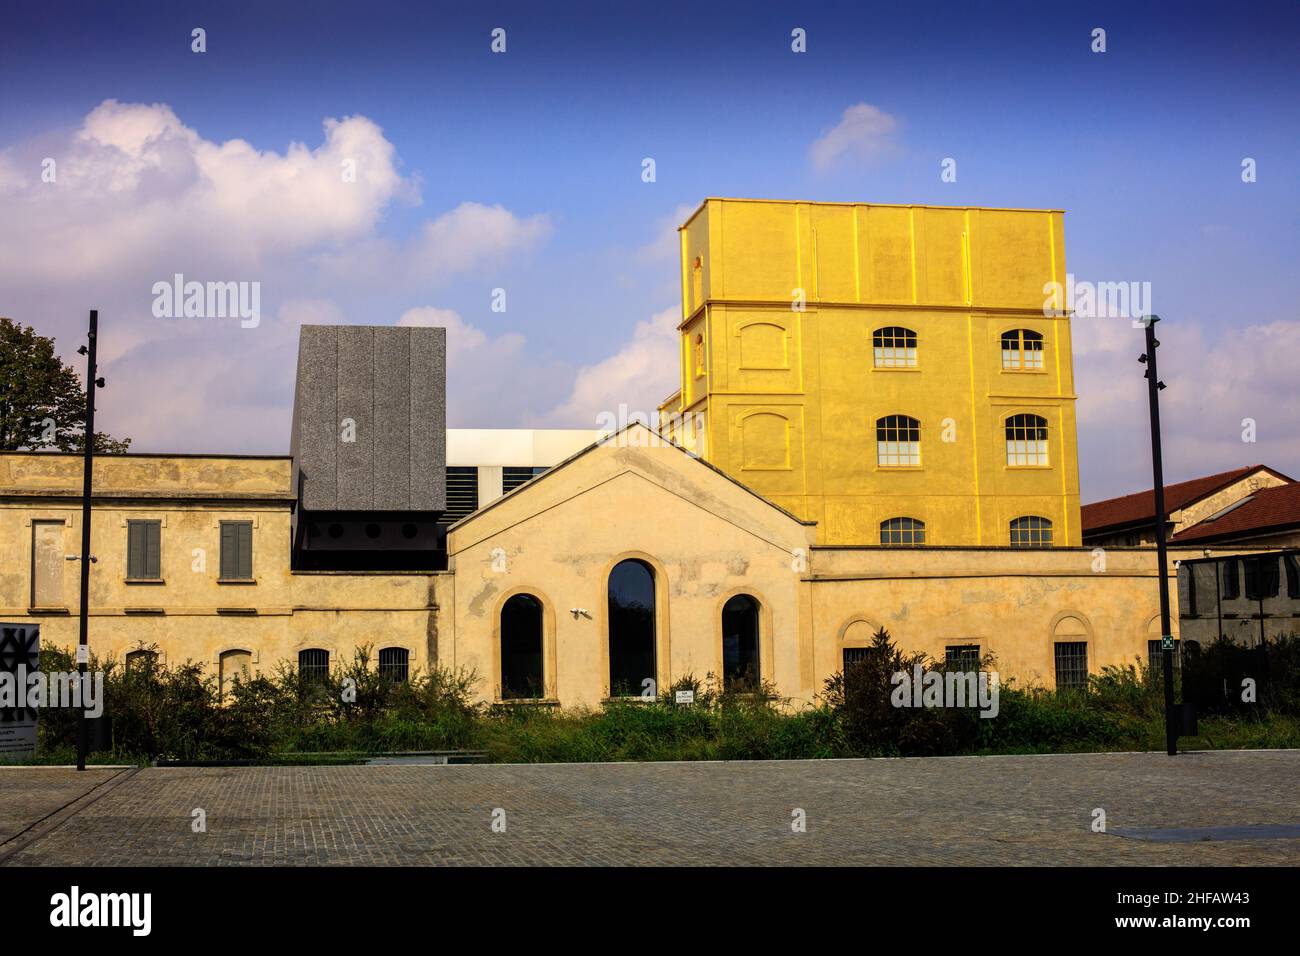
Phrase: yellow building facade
(863, 364)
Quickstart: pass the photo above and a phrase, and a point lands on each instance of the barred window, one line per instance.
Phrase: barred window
(1292, 562)
(854, 655)
(965, 657)
(902, 531)
(1156, 656)
(1022, 350)
(1026, 440)
(1031, 531)
(894, 347)
(394, 664)
(1071, 665)
(313, 665)
(898, 440)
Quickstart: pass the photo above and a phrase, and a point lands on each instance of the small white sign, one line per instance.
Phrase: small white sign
(83, 654)
(686, 697)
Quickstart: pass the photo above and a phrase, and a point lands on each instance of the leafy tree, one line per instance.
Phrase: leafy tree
(42, 402)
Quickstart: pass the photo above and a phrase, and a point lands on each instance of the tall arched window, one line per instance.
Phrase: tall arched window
(893, 347)
(1022, 350)
(521, 648)
(898, 440)
(902, 531)
(1026, 440)
(740, 668)
(631, 628)
(1031, 531)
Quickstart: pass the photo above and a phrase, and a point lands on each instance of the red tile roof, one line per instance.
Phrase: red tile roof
(1140, 506)
(1276, 508)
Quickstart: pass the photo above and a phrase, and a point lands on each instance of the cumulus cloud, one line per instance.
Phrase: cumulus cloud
(135, 186)
(137, 196)
(864, 133)
(641, 374)
(493, 380)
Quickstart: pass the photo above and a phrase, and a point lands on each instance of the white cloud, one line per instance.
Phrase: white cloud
(136, 187)
(641, 374)
(466, 239)
(864, 133)
(462, 338)
(140, 196)
(1216, 377)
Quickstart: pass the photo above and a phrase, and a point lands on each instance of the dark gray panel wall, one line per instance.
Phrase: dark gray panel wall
(393, 422)
(428, 468)
(314, 443)
(357, 384)
(391, 384)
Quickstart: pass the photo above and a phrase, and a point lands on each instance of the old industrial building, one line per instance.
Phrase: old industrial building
(875, 427)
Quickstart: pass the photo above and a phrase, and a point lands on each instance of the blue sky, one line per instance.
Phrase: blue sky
(1142, 146)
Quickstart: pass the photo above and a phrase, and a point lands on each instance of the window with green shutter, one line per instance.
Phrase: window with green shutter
(144, 550)
(236, 550)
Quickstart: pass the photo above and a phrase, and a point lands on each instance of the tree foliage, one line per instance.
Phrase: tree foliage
(42, 401)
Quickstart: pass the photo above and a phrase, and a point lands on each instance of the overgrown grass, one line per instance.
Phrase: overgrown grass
(161, 712)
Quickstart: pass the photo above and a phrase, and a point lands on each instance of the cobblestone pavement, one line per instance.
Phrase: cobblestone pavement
(960, 810)
(29, 793)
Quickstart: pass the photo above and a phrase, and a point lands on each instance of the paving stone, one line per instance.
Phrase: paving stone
(962, 810)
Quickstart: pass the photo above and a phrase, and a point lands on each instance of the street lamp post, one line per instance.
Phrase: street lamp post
(88, 457)
(1154, 385)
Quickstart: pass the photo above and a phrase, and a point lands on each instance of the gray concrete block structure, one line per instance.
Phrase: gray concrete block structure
(369, 437)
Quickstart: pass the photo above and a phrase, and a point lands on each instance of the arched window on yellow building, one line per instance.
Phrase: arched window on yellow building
(1026, 440)
(897, 531)
(893, 347)
(1031, 531)
(1022, 350)
(898, 441)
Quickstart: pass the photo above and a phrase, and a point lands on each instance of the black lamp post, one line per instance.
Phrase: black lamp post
(83, 651)
(1154, 385)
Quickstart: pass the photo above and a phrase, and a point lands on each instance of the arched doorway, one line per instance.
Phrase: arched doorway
(740, 664)
(631, 628)
(521, 648)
